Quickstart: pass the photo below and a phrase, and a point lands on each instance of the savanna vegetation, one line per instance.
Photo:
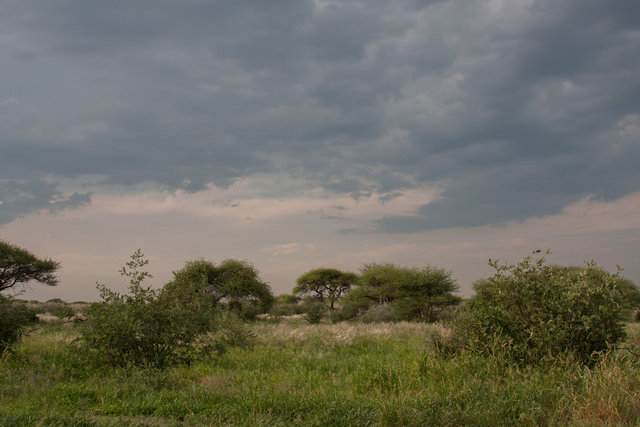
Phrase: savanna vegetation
(537, 344)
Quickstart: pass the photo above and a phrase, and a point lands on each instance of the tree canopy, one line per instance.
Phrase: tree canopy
(19, 267)
(234, 282)
(414, 293)
(326, 284)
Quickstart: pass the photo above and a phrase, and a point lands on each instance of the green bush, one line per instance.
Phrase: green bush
(14, 316)
(354, 304)
(314, 311)
(530, 312)
(145, 327)
(232, 331)
(378, 313)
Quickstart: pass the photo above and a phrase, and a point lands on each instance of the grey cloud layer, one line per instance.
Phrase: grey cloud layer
(514, 112)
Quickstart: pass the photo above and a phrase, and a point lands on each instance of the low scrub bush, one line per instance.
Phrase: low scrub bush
(314, 311)
(232, 331)
(145, 327)
(14, 317)
(531, 312)
(378, 313)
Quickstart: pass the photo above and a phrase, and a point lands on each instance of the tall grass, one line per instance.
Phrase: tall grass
(301, 374)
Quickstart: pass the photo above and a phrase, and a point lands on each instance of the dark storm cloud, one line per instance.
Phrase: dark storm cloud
(19, 198)
(513, 112)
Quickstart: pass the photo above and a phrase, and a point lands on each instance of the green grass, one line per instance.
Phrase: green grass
(300, 374)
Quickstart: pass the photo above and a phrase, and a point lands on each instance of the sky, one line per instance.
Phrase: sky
(298, 134)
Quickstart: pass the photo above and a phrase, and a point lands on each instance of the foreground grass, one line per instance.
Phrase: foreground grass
(299, 374)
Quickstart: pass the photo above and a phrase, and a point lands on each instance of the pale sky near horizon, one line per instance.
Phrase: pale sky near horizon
(299, 134)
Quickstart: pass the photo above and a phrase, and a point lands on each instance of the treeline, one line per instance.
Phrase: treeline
(528, 312)
(381, 292)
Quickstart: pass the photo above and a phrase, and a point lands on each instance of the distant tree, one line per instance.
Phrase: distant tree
(239, 284)
(232, 282)
(414, 293)
(326, 284)
(19, 267)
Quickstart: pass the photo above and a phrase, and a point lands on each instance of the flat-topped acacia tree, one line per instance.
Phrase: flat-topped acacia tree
(326, 284)
(19, 266)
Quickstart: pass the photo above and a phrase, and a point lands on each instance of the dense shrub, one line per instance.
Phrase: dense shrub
(531, 312)
(629, 291)
(314, 311)
(354, 304)
(378, 313)
(232, 331)
(145, 327)
(14, 316)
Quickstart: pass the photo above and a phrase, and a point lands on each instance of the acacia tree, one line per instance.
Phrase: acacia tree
(233, 282)
(325, 284)
(414, 293)
(19, 267)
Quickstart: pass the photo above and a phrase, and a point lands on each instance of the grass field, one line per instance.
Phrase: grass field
(301, 374)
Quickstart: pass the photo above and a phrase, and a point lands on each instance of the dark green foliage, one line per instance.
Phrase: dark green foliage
(354, 304)
(325, 284)
(145, 327)
(19, 267)
(14, 316)
(414, 293)
(314, 311)
(531, 312)
(233, 283)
